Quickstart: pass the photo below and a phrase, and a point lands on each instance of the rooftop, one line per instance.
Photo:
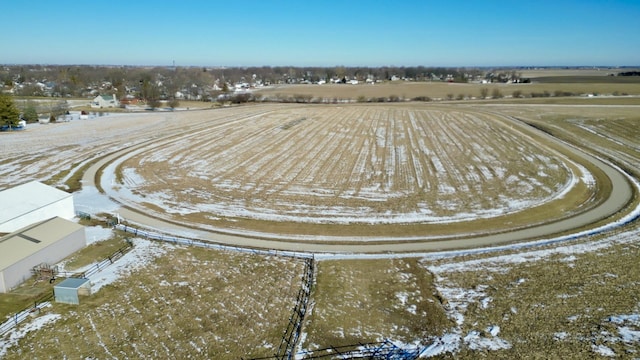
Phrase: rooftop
(22, 199)
(26, 241)
(72, 283)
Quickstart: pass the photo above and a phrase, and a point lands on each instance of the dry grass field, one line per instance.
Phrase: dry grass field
(357, 170)
(571, 300)
(187, 303)
(574, 302)
(576, 73)
(365, 301)
(442, 91)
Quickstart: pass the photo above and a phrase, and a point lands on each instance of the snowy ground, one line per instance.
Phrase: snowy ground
(627, 324)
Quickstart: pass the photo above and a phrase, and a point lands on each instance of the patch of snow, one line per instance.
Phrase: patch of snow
(484, 302)
(494, 330)
(403, 297)
(621, 319)
(91, 201)
(560, 335)
(97, 233)
(143, 252)
(448, 343)
(629, 335)
(603, 350)
(13, 336)
(476, 342)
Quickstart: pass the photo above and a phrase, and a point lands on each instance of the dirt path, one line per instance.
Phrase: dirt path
(621, 195)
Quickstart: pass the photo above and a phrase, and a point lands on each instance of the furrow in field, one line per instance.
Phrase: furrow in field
(416, 168)
(359, 175)
(351, 143)
(381, 163)
(304, 155)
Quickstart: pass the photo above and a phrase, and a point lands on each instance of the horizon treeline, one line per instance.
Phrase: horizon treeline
(74, 80)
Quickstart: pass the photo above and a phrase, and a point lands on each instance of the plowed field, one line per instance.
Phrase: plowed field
(356, 171)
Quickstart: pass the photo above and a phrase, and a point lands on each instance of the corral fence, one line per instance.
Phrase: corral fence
(45, 299)
(294, 326)
(385, 350)
(83, 215)
(292, 333)
(206, 244)
(99, 266)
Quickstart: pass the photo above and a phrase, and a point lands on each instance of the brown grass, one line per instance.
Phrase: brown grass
(216, 297)
(440, 90)
(372, 300)
(332, 159)
(188, 303)
(572, 296)
(97, 251)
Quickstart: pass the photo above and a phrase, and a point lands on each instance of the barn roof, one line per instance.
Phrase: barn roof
(22, 199)
(26, 241)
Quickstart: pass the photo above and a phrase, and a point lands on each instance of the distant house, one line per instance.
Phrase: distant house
(105, 101)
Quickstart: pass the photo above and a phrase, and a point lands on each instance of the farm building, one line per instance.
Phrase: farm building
(32, 202)
(69, 290)
(105, 101)
(46, 242)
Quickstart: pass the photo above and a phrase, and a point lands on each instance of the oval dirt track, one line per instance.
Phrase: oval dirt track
(618, 198)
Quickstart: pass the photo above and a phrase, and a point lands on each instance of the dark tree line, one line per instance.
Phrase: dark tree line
(629, 73)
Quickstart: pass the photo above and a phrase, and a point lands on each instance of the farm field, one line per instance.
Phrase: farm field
(355, 171)
(441, 90)
(332, 172)
(568, 300)
(571, 73)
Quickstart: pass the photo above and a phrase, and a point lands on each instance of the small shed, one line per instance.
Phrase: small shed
(69, 290)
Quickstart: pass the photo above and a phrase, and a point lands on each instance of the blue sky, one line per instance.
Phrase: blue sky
(322, 33)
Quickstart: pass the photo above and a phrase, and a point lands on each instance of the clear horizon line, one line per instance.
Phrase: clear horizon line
(322, 66)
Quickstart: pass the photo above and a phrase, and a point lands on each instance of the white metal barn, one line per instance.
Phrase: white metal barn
(32, 202)
(45, 242)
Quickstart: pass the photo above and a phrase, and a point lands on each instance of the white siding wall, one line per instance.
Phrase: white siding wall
(62, 208)
(17, 273)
